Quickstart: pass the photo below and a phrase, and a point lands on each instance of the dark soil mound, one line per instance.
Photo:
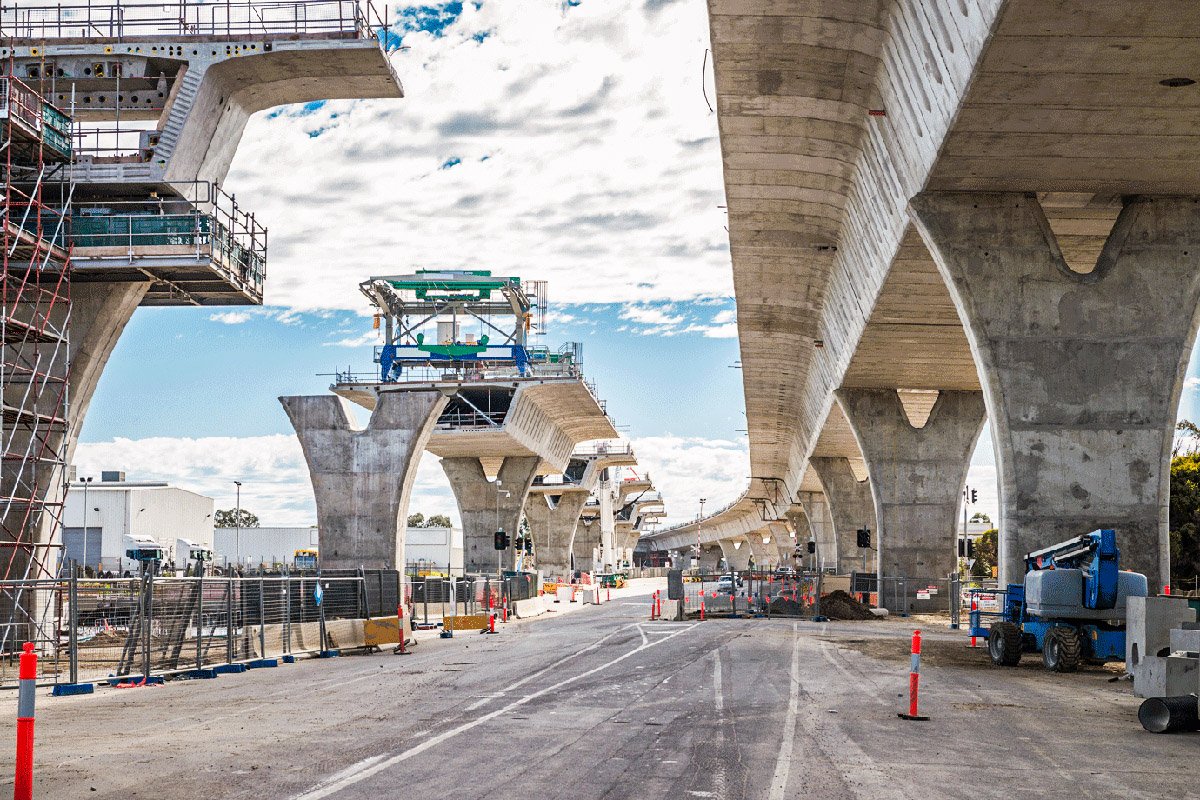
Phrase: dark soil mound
(788, 608)
(839, 605)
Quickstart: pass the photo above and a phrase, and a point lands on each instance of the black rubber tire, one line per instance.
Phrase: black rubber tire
(1004, 644)
(1061, 652)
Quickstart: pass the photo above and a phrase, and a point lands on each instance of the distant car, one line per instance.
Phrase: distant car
(726, 583)
(786, 571)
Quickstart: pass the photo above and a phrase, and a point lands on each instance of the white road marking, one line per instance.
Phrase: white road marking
(718, 698)
(369, 767)
(482, 702)
(783, 764)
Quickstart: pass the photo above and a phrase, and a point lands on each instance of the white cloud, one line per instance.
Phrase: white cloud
(685, 469)
(586, 156)
(729, 330)
(362, 340)
(726, 316)
(275, 479)
(276, 486)
(1191, 383)
(651, 315)
(231, 317)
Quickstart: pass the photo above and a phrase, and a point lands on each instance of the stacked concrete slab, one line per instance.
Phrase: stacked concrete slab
(1162, 646)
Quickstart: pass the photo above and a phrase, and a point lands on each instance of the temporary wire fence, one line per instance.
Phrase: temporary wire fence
(123, 628)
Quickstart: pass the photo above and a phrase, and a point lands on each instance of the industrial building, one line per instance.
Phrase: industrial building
(113, 507)
(436, 549)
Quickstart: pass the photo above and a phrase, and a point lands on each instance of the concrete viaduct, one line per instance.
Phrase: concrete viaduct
(953, 211)
(175, 94)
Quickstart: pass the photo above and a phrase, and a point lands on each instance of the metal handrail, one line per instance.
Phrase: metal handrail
(128, 19)
(206, 218)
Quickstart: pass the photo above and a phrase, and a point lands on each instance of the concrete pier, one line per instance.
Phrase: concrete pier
(917, 476)
(362, 479)
(553, 520)
(1083, 375)
(485, 507)
(586, 545)
(737, 553)
(852, 507)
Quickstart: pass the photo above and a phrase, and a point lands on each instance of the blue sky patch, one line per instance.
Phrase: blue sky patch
(432, 19)
(450, 162)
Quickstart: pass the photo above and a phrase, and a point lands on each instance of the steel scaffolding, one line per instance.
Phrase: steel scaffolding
(35, 303)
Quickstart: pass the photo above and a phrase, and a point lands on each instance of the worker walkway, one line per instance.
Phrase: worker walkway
(607, 704)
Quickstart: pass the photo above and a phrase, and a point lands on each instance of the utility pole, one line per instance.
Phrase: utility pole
(85, 482)
(699, 527)
(237, 521)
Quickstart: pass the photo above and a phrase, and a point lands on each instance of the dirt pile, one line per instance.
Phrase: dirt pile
(788, 608)
(841, 606)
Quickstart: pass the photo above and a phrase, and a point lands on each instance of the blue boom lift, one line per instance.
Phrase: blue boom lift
(1070, 607)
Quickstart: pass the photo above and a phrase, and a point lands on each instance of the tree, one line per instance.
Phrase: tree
(981, 517)
(227, 518)
(1185, 517)
(985, 554)
(418, 520)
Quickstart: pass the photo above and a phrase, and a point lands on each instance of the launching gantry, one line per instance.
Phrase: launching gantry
(457, 375)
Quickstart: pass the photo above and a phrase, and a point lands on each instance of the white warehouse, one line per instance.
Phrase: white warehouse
(426, 548)
(113, 507)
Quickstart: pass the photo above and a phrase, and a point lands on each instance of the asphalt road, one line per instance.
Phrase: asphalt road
(603, 703)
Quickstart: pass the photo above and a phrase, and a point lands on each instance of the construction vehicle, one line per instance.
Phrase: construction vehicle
(1070, 607)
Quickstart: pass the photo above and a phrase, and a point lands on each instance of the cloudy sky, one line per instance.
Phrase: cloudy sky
(566, 140)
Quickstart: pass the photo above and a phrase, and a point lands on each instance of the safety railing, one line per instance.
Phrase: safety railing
(93, 629)
(135, 19)
(207, 224)
(39, 119)
(432, 599)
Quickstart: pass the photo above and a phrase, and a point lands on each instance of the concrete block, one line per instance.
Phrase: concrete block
(1185, 640)
(1148, 625)
(523, 609)
(1167, 676)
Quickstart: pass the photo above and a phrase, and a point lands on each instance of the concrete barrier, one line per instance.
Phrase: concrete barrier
(524, 609)
(564, 593)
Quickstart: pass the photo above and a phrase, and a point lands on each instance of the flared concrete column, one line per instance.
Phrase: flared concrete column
(553, 520)
(765, 556)
(710, 558)
(820, 529)
(1082, 373)
(737, 558)
(99, 314)
(852, 507)
(583, 549)
(917, 476)
(484, 507)
(362, 479)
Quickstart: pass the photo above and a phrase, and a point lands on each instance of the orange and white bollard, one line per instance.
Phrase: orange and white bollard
(572, 594)
(701, 609)
(914, 680)
(504, 612)
(23, 779)
(401, 649)
(491, 623)
(608, 595)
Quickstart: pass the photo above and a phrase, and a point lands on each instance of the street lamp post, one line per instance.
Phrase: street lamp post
(237, 521)
(699, 527)
(85, 482)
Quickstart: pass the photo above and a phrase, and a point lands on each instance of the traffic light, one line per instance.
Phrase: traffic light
(966, 548)
(812, 546)
(529, 546)
(974, 496)
(501, 540)
(864, 537)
